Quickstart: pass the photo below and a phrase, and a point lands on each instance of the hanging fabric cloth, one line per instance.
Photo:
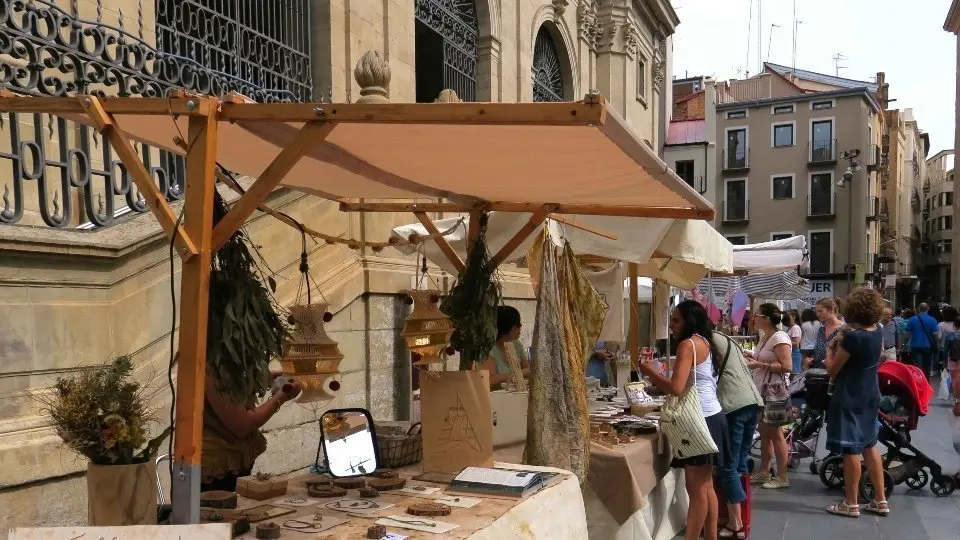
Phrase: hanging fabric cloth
(570, 315)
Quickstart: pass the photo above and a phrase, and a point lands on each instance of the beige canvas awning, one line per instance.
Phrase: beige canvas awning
(581, 157)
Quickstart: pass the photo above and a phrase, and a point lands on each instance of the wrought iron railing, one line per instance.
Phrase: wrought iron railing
(46, 51)
(821, 206)
(736, 211)
(822, 151)
(736, 159)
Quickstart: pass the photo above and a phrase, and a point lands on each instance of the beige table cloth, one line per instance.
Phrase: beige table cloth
(555, 512)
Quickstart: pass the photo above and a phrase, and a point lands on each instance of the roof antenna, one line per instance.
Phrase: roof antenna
(837, 58)
(770, 38)
(796, 27)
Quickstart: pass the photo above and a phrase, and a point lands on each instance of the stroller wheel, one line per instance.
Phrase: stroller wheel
(942, 486)
(814, 466)
(831, 472)
(919, 480)
(868, 492)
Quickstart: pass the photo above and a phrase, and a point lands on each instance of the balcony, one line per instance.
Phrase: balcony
(876, 210)
(822, 152)
(737, 160)
(736, 212)
(873, 157)
(821, 206)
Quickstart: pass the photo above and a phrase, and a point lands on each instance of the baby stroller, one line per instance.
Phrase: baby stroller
(905, 397)
(803, 435)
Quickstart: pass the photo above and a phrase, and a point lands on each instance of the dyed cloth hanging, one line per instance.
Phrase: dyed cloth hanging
(570, 315)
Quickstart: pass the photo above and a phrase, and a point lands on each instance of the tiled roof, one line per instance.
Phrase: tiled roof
(822, 78)
(686, 132)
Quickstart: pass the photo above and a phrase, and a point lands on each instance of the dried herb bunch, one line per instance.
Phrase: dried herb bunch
(472, 304)
(244, 329)
(103, 414)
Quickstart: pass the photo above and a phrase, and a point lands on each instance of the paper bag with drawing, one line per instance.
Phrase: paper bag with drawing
(456, 421)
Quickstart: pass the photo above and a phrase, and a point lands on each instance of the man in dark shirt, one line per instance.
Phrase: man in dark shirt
(922, 335)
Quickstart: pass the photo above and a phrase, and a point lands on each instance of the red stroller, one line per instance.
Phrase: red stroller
(905, 397)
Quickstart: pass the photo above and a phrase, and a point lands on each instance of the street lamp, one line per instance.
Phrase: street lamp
(853, 165)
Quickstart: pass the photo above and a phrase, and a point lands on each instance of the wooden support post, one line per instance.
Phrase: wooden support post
(194, 298)
(633, 334)
(310, 134)
(442, 243)
(473, 230)
(535, 220)
(155, 200)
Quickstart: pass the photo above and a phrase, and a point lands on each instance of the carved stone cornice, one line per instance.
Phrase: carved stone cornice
(619, 36)
(660, 67)
(588, 27)
(559, 6)
(631, 40)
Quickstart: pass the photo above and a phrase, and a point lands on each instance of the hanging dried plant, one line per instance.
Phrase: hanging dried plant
(244, 329)
(472, 304)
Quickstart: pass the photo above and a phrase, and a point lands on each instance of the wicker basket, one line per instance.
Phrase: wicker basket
(399, 446)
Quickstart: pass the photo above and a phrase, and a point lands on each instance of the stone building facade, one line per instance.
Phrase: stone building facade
(85, 275)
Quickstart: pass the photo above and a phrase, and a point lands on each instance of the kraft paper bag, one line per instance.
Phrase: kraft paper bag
(457, 421)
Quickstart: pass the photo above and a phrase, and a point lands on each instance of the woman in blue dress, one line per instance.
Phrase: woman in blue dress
(852, 361)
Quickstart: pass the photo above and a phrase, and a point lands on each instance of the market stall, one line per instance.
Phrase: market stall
(361, 155)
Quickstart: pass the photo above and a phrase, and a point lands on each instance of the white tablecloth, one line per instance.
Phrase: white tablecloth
(664, 516)
(556, 513)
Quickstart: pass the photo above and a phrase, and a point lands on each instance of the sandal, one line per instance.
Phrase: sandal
(844, 509)
(880, 508)
(760, 478)
(728, 532)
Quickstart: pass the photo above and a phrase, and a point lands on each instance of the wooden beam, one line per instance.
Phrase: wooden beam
(473, 230)
(155, 200)
(535, 220)
(633, 333)
(577, 225)
(570, 114)
(311, 133)
(442, 243)
(194, 294)
(188, 106)
(588, 210)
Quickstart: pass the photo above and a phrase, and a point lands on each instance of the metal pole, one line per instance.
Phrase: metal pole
(850, 266)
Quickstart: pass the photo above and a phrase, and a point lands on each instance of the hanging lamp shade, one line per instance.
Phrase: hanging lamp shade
(427, 330)
(310, 356)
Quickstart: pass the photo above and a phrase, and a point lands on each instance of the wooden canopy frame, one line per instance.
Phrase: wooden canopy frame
(196, 238)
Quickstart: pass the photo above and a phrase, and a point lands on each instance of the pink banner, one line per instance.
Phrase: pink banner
(740, 304)
(713, 312)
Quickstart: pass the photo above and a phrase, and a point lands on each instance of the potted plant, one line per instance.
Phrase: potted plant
(103, 414)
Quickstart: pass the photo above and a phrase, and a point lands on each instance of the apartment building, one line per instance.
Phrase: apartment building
(797, 154)
(690, 144)
(936, 223)
(952, 24)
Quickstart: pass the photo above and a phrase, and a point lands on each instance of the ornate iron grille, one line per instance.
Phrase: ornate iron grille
(45, 51)
(456, 22)
(547, 76)
(262, 44)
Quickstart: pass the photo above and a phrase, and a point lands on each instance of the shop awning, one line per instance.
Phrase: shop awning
(581, 157)
(679, 252)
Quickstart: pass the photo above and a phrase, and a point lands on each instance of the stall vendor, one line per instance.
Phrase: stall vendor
(508, 354)
(231, 435)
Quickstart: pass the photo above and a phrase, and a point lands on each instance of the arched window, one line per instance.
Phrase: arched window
(446, 34)
(547, 76)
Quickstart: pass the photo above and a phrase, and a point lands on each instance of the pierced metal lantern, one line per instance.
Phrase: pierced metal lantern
(310, 356)
(427, 330)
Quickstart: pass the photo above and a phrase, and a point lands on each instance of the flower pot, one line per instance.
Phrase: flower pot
(121, 494)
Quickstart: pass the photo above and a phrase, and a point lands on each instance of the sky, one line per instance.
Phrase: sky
(904, 39)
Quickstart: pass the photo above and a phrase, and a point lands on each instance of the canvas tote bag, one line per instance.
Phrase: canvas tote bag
(683, 423)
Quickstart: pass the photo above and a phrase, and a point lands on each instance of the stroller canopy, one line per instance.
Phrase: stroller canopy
(907, 383)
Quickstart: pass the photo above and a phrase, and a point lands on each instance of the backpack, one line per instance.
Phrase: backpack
(952, 344)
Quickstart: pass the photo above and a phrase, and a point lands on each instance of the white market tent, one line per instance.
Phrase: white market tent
(678, 252)
(764, 270)
(770, 257)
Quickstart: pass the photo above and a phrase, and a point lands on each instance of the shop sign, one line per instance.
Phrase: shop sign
(817, 289)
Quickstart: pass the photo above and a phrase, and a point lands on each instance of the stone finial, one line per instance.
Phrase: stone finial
(448, 96)
(373, 75)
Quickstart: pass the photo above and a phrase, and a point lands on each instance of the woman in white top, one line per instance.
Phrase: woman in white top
(808, 334)
(944, 329)
(691, 328)
(770, 360)
(792, 324)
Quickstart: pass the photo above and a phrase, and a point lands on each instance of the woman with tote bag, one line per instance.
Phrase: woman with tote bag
(693, 419)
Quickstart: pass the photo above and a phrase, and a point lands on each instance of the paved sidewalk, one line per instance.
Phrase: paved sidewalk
(797, 513)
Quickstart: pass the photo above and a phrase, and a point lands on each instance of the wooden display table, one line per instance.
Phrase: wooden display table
(555, 512)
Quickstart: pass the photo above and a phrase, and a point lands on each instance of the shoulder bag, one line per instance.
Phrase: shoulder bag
(777, 407)
(683, 423)
(934, 345)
